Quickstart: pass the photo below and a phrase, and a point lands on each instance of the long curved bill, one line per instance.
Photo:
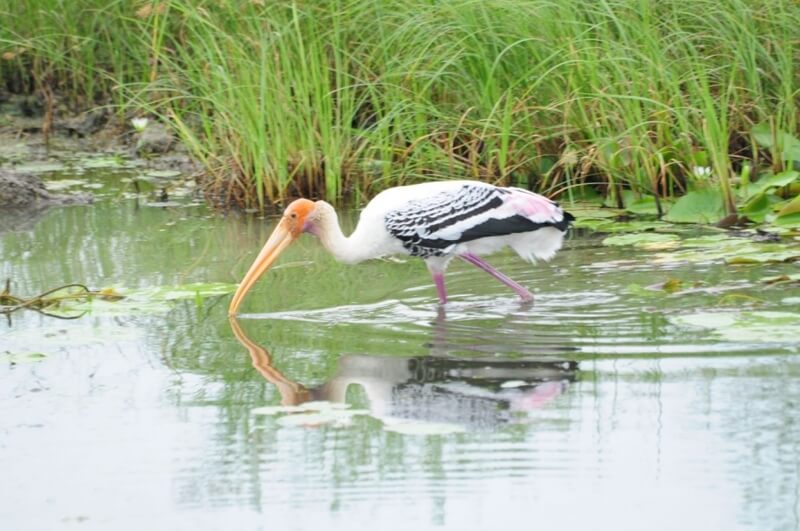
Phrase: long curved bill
(279, 240)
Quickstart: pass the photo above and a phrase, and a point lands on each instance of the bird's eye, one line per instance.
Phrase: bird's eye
(293, 215)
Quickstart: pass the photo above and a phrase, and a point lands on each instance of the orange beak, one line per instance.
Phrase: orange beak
(279, 240)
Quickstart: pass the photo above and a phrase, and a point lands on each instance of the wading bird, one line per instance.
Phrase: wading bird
(435, 221)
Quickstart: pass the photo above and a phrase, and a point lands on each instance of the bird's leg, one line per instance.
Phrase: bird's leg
(523, 293)
(438, 278)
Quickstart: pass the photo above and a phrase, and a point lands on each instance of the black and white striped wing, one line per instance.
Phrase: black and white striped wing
(433, 225)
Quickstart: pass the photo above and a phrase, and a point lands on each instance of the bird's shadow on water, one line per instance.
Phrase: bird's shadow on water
(480, 391)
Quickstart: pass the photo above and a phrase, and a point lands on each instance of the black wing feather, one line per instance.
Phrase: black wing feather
(417, 222)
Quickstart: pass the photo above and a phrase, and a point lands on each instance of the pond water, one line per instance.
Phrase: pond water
(602, 405)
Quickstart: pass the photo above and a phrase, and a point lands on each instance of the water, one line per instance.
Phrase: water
(593, 408)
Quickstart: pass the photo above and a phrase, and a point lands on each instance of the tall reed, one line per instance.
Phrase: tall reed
(340, 98)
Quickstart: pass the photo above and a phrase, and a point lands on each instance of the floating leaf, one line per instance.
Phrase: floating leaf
(733, 250)
(643, 204)
(612, 226)
(781, 279)
(758, 207)
(782, 255)
(645, 239)
(790, 144)
(793, 207)
(773, 181)
(703, 206)
(591, 224)
(711, 240)
(582, 211)
(757, 326)
(788, 221)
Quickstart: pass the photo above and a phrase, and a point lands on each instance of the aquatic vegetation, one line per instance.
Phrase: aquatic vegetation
(77, 300)
(636, 102)
(751, 326)
(647, 240)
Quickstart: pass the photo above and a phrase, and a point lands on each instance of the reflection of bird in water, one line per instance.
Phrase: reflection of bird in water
(435, 221)
(473, 393)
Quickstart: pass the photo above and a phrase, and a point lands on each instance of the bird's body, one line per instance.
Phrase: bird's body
(435, 221)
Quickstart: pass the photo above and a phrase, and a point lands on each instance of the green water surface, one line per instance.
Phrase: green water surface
(600, 406)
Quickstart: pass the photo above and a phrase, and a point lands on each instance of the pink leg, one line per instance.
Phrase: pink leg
(523, 293)
(438, 279)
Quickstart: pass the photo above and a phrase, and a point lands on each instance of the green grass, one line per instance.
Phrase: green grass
(341, 98)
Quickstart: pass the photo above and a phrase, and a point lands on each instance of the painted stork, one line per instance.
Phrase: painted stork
(436, 221)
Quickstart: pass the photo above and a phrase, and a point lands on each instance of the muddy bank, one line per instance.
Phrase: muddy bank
(20, 190)
(32, 131)
(24, 200)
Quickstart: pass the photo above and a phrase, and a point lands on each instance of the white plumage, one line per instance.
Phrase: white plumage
(436, 221)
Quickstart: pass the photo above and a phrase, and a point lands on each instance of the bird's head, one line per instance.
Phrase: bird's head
(300, 216)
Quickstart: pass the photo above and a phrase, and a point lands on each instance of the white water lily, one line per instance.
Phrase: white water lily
(139, 123)
(701, 172)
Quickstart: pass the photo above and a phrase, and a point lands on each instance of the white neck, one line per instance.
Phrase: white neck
(344, 249)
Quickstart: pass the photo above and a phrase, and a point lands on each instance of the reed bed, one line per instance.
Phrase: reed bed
(341, 98)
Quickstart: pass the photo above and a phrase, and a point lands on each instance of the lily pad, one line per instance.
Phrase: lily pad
(773, 181)
(588, 223)
(645, 239)
(793, 207)
(790, 144)
(762, 257)
(791, 221)
(591, 211)
(731, 250)
(643, 204)
(710, 240)
(702, 206)
(612, 226)
(782, 279)
(755, 326)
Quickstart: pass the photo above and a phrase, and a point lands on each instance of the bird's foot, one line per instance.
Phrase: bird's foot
(525, 295)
